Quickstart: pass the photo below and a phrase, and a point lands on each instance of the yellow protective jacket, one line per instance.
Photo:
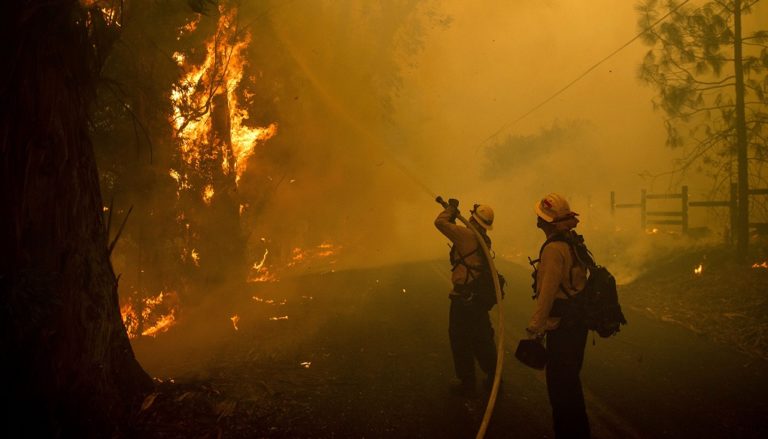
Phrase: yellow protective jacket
(558, 272)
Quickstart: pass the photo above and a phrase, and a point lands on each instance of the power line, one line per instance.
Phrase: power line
(583, 74)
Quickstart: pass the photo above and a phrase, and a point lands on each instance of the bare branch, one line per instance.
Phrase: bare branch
(119, 232)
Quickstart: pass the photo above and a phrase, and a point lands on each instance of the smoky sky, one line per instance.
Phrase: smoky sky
(381, 106)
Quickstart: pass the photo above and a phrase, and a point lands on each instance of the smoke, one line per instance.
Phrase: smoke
(396, 103)
(380, 107)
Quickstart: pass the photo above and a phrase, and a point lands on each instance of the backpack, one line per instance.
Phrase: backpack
(597, 305)
(480, 290)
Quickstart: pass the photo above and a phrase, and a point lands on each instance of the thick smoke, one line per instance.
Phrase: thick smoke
(381, 106)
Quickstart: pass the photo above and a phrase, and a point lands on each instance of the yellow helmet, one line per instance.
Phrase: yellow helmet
(553, 207)
(483, 215)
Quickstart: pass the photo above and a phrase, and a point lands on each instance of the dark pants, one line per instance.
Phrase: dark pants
(471, 335)
(565, 355)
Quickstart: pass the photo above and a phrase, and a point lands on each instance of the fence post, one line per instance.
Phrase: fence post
(733, 208)
(642, 210)
(684, 219)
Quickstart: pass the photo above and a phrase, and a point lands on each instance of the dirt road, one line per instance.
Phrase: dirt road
(364, 354)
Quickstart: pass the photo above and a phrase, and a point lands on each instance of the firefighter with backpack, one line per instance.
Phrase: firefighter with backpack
(469, 326)
(560, 275)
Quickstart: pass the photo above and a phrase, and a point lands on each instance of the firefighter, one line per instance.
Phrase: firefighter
(560, 275)
(469, 326)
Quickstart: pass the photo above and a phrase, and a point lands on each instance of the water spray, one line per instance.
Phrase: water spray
(500, 325)
(373, 141)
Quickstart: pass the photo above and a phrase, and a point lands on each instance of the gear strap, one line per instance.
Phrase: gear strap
(461, 260)
(589, 263)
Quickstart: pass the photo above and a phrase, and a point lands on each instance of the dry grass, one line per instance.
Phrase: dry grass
(727, 302)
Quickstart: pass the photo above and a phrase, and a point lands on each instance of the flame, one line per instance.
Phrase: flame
(181, 181)
(195, 256)
(220, 74)
(298, 255)
(764, 264)
(245, 139)
(130, 319)
(279, 318)
(134, 316)
(325, 249)
(111, 16)
(191, 255)
(163, 324)
(179, 58)
(189, 27)
(698, 270)
(235, 318)
(268, 301)
(208, 193)
(260, 272)
(322, 251)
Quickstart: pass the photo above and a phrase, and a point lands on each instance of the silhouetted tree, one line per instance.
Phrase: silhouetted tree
(712, 82)
(68, 363)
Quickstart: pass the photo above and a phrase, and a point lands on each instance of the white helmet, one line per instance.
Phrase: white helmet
(553, 207)
(483, 215)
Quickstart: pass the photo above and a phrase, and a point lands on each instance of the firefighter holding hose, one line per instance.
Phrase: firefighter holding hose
(473, 295)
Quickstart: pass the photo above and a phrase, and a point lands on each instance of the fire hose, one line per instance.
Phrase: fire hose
(500, 325)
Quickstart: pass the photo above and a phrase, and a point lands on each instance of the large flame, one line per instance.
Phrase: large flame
(220, 74)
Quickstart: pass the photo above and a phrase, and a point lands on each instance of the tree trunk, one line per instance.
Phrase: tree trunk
(69, 363)
(221, 237)
(742, 229)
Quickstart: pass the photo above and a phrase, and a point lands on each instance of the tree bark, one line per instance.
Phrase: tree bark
(70, 364)
(742, 229)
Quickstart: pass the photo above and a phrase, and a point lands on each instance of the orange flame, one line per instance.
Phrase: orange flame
(133, 317)
(208, 193)
(260, 272)
(162, 324)
(191, 97)
(764, 264)
(698, 270)
(235, 318)
(130, 319)
(322, 251)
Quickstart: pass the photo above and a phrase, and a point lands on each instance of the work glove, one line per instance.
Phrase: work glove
(453, 208)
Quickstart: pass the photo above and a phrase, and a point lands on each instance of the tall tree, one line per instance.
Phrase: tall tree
(67, 358)
(712, 82)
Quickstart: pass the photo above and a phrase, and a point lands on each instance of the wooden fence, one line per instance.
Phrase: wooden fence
(680, 217)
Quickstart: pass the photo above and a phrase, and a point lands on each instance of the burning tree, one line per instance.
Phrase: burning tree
(175, 90)
(67, 357)
(216, 137)
(712, 81)
(200, 92)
